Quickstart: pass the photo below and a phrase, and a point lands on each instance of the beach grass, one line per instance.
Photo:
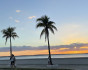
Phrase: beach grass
(29, 69)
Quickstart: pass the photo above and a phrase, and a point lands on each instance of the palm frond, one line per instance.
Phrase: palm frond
(43, 31)
(6, 40)
(4, 36)
(3, 31)
(51, 22)
(39, 20)
(51, 29)
(14, 35)
(40, 25)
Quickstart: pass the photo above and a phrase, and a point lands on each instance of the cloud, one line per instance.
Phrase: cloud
(17, 21)
(10, 17)
(84, 47)
(63, 48)
(31, 17)
(18, 11)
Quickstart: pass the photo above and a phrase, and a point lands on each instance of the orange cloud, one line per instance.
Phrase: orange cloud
(31, 17)
(63, 48)
(18, 11)
(38, 52)
(84, 47)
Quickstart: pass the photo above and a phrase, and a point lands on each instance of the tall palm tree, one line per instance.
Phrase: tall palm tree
(47, 25)
(8, 34)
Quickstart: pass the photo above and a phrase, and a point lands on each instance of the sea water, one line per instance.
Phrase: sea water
(46, 56)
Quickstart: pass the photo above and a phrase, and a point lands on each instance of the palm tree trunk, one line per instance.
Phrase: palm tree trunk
(10, 47)
(50, 60)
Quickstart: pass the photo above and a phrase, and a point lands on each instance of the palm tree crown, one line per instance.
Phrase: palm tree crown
(48, 25)
(9, 32)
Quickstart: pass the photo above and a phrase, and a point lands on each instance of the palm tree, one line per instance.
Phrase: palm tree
(47, 25)
(8, 34)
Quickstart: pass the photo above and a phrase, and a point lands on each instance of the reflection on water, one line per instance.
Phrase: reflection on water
(46, 56)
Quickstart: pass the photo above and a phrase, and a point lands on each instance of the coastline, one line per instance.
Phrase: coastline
(58, 63)
(46, 56)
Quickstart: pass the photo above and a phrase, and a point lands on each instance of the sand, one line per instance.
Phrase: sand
(59, 63)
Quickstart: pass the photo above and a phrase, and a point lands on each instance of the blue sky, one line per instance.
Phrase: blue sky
(70, 16)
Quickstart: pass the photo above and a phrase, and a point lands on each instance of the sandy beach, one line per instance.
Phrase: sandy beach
(58, 63)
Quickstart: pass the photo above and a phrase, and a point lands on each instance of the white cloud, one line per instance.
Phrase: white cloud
(17, 21)
(31, 17)
(10, 17)
(18, 11)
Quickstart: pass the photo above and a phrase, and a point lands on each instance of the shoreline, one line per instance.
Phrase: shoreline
(45, 54)
(3, 58)
(58, 63)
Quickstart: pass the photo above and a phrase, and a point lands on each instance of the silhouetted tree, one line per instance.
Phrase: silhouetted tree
(8, 34)
(47, 25)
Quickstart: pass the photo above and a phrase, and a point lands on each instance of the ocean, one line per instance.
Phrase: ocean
(46, 56)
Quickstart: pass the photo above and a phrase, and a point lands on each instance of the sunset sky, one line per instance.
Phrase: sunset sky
(70, 16)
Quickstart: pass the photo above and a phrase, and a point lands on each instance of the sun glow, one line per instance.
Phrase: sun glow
(75, 47)
(63, 48)
(38, 52)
